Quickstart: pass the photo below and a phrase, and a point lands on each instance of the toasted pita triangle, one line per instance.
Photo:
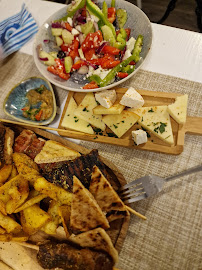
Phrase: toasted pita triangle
(97, 239)
(85, 212)
(106, 196)
(53, 151)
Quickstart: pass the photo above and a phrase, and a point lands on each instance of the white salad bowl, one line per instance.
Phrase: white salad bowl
(137, 21)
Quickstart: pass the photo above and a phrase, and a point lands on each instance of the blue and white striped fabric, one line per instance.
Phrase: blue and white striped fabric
(16, 31)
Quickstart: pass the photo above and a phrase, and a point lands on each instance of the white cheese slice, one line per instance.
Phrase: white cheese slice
(132, 99)
(106, 98)
(157, 120)
(114, 109)
(85, 111)
(73, 122)
(120, 123)
(178, 110)
(70, 21)
(139, 136)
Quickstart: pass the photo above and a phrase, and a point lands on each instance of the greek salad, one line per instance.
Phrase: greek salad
(92, 41)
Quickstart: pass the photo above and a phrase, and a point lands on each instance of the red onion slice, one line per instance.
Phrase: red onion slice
(99, 50)
(56, 25)
(43, 59)
(46, 41)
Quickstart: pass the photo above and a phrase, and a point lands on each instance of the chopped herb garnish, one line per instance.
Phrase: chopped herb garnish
(75, 116)
(142, 119)
(100, 133)
(40, 89)
(98, 103)
(88, 125)
(76, 120)
(156, 129)
(151, 110)
(110, 134)
(68, 115)
(123, 121)
(95, 137)
(167, 137)
(115, 126)
(85, 110)
(97, 129)
(162, 127)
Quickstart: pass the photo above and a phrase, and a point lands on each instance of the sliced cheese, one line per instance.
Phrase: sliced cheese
(73, 122)
(178, 110)
(85, 111)
(114, 109)
(120, 123)
(157, 120)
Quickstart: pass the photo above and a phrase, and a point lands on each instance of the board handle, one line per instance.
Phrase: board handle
(193, 125)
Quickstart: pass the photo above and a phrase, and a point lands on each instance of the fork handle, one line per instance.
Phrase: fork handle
(183, 173)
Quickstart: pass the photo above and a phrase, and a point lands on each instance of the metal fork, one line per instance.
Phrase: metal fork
(149, 185)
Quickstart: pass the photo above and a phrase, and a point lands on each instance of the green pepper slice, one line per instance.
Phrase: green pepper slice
(95, 78)
(137, 48)
(105, 9)
(110, 76)
(128, 69)
(98, 13)
(113, 2)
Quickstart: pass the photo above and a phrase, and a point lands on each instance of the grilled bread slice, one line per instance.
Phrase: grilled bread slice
(54, 152)
(106, 196)
(97, 239)
(85, 212)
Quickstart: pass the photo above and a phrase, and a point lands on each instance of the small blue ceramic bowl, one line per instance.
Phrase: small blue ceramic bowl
(16, 100)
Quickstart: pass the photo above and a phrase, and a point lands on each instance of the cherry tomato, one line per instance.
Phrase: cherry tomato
(110, 50)
(91, 85)
(111, 14)
(92, 41)
(122, 75)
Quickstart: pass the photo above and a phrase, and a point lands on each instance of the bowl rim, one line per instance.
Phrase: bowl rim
(113, 85)
(49, 120)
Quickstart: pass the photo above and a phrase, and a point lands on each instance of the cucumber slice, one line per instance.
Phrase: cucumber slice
(68, 63)
(74, 6)
(56, 31)
(108, 35)
(53, 54)
(51, 59)
(59, 41)
(87, 28)
(121, 17)
(67, 36)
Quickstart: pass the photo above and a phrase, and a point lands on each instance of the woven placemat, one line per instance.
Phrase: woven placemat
(171, 237)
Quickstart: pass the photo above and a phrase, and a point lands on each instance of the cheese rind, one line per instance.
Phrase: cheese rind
(178, 110)
(106, 98)
(114, 109)
(157, 120)
(139, 136)
(73, 122)
(85, 111)
(132, 99)
(120, 123)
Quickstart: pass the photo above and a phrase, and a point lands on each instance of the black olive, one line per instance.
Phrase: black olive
(61, 54)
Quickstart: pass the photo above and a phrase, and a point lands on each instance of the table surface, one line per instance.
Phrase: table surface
(170, 238)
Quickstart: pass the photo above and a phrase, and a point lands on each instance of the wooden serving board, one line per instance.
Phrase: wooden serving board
(193, 125)
(118, 228)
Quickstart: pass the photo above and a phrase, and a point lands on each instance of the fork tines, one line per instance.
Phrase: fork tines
(132, 192)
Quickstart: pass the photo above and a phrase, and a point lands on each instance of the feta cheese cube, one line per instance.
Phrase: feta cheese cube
(139, 136)
(127, 54)
(70, 21)
(78, 27)
(102, 73)
(75, 32)
(106, 98)
(130, 44)
(132, 99)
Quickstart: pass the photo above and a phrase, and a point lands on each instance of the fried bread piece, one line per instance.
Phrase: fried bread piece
(106, 196)
(85, 212)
